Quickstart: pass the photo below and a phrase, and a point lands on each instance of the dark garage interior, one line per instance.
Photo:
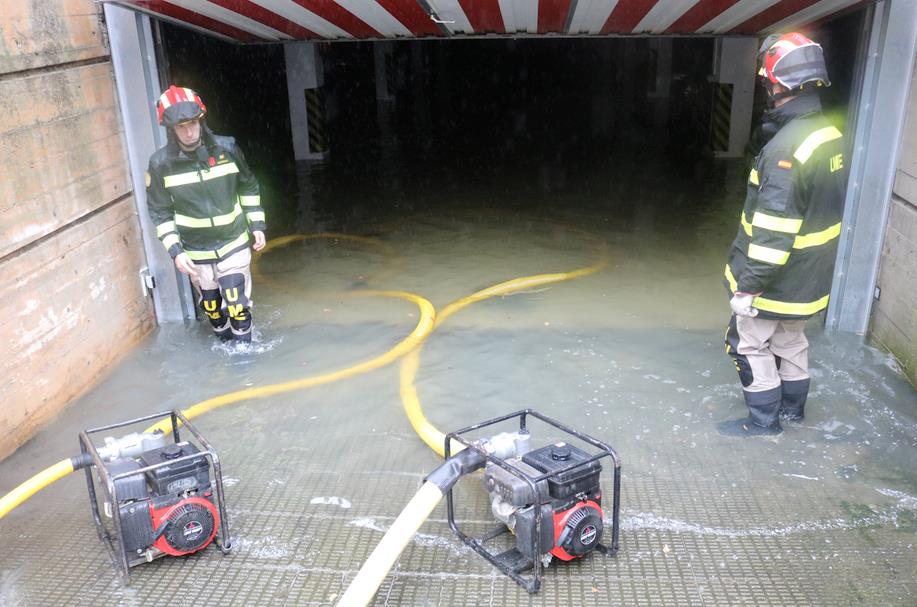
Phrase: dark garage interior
(539, 119)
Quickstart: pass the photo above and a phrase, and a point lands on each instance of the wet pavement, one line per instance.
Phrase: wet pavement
(824, 514)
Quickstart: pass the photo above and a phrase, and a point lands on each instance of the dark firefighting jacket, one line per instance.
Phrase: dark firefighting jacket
(788, 232)
(204, 206)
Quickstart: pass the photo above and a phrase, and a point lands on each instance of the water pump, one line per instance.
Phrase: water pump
(549, 498)
(159, 495)
(570, 502)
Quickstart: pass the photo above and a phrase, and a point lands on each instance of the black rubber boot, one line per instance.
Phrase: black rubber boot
(224, 333)
(762, 420)
(793, 405)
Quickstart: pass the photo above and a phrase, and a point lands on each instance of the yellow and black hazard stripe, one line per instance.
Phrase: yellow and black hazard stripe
(720, 118)
(315, 108)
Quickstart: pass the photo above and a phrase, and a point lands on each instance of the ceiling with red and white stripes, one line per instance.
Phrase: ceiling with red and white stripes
(284, 20)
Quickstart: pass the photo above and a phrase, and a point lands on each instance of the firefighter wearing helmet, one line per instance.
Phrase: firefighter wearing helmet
(781, 263)
(205, 204)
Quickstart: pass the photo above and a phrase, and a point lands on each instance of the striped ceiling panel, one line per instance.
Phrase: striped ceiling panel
(282, 20)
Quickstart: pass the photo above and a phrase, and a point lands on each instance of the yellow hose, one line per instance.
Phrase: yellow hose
(427, 432)
(35, 484)
(383, 557)
(423, 328)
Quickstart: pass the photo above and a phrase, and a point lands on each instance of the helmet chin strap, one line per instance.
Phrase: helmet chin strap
(773, 97)
(189, 148)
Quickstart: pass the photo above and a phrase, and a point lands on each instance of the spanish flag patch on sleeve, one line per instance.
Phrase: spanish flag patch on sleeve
(784, 164)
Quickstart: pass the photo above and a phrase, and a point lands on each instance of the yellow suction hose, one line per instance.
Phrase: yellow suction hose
(35, 484)
(423, 328)
(427, 432)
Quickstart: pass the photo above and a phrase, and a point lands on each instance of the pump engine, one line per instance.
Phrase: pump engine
(570, 502)
(159, 497)
(549, 499)
(169, 508)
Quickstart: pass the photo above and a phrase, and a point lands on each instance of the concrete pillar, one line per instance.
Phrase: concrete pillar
(660, 88)
(735, 63)
(305, 78)
(626, 72)
(421, 102)
(384, 60)
(384, 57)
(602, 101)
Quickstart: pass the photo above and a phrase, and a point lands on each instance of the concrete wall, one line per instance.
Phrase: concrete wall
(894, 317)
(69, 236)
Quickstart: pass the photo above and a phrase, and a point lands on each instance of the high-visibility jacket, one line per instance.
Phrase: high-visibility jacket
(788, 232)
(204, 206)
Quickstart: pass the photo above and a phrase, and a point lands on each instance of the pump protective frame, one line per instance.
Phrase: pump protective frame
(112, 540)
(506, 562)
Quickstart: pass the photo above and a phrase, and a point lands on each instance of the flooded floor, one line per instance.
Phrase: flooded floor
(632, 354)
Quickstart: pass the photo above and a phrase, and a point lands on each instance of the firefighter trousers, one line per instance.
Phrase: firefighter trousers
(767, 352)
(224, 292)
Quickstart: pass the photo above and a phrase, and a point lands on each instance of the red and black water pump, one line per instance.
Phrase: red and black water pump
(153, 494)
(549, 498)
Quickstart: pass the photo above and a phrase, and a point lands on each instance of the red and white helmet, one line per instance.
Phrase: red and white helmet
(793, 61)
(179, 104)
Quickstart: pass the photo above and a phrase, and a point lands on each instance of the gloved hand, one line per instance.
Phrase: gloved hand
(741, 304)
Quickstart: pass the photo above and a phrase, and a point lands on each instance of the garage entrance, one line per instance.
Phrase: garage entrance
(528, 117)
(608, 164)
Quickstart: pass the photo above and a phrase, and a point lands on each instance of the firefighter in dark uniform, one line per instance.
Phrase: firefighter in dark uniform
(205, 204)
(781, 262)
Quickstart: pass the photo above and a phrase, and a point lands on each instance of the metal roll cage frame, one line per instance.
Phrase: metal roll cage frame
(512, 562)
(113, 542)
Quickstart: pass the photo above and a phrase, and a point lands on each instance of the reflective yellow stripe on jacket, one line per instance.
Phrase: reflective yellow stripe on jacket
(802, 241)
(777, 224)
(208, 222)
(746, 225)
(164, 228)
(169, 239)
(774, 256)
(811, 143)
(242, 239)
(817, 238)
(220, 170)
(781, 307)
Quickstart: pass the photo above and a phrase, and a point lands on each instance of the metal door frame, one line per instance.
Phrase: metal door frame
(137, 81)
(880, 118)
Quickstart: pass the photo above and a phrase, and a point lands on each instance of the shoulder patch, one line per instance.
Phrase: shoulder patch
(149, 179)
(784, 164)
